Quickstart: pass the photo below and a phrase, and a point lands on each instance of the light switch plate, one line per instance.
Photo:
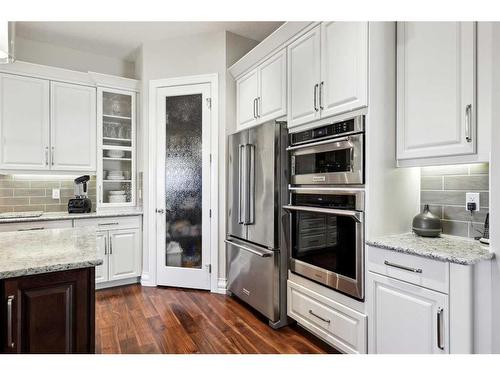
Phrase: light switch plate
(56, 193)
(472, 198)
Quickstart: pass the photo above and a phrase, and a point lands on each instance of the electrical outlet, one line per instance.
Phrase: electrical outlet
(56, 193)
(472, 198)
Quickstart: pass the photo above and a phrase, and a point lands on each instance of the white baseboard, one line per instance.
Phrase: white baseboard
(221, 286)
(111, 284)
(146, 280)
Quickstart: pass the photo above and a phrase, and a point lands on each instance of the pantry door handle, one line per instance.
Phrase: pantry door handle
(319, 317)
(10, 339)
(416, 270)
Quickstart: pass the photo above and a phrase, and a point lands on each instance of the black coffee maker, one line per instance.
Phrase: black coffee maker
(81, 202)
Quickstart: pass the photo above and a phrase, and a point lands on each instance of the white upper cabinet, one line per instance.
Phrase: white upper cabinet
(406, 319)
(24, 123)
(271, 102)
(344, 67)
(304, 77)
(328, 72)
(247, 92)
(73, 127)
(436, 106)
(261, 93)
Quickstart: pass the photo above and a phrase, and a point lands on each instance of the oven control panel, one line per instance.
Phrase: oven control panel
(328, 131)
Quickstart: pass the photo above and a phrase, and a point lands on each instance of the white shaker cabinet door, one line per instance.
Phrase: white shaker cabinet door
(303, 78)
(24, 123)
(405, 318)
(124, 253)
(101, 272)
(344, 67)
(73, 127)
(272, 82)
(436, 107)
(247, 93)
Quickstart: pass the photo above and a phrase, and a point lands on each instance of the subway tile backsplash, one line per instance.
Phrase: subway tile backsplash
(443, 188)
(34, 192)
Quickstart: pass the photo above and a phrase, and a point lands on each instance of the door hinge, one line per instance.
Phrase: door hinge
(209, 103)
(209, 266)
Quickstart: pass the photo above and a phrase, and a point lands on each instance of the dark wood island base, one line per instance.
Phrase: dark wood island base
(49, 313)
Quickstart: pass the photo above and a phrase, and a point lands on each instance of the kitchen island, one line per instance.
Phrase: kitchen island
(47, 283)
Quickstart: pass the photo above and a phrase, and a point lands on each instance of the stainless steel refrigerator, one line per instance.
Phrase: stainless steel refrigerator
(257, 183)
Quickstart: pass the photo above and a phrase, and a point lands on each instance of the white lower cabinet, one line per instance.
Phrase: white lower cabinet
(123, 255)
(406, 318)
(101, 272)
(335, 323)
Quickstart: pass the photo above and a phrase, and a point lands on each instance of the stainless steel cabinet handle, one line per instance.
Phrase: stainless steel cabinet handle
(105, 246)
(10, 340)
(468, 128)
(416, 270)
(52, 156)
(440, 328)
(259, 106)
(47, 155)
(319, 317)
(255, 108)
(263, 253)
(316, 97)
(100, 193)
(103, 224)
(321, 95)
(110, 245)
(27, 229)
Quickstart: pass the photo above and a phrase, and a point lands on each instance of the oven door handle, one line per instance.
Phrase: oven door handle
(354, 214)
(325, 142)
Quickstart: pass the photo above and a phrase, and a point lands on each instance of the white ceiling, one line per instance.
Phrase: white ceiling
(121, 39)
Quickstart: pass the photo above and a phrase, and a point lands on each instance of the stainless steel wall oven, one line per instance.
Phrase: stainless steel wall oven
(326, 237)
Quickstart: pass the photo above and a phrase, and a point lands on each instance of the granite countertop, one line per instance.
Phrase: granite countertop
(66, 216)
(445, 248)
(49, 250)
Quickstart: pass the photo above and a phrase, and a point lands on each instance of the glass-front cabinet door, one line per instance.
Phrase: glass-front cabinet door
(116, 167)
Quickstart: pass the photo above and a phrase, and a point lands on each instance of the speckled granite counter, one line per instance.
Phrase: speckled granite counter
(49, 250)
(445, 248)
(67, 216)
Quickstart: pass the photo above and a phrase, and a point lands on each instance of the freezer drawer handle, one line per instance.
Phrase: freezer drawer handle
(416, 270)
(319, 317)
(263, 254)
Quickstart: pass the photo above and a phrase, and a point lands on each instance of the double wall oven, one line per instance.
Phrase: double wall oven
(326, 205)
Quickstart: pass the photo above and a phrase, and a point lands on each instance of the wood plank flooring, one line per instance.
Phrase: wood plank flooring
(133, 319)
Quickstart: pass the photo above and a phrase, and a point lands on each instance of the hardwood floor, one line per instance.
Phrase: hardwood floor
(133, 319)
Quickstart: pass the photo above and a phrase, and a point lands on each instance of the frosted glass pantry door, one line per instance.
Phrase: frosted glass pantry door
(183, 220)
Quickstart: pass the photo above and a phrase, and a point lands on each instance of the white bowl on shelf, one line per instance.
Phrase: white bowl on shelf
(115, 153)
(117, 198)
(116, 192)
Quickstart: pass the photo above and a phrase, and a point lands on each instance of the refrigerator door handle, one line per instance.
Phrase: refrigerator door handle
(251, 184)
(240, 183)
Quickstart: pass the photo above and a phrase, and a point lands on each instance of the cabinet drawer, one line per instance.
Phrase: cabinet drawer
(433, 274)
(35, 225)
(108, 223)
(335, 323)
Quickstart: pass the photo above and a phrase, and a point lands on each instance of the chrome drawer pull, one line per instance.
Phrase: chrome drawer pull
(440, 328)
(101, 224)
(319, 317)
(416, 270)
(10, 340)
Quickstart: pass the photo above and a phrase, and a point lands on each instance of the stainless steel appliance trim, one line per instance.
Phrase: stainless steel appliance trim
(468, 127)
(316, 97)
(416, 270)
(324, 142)
(262, 253)
(319, 317)
(440, 334)
(10, 339)
(358, 128)
(331, 211)
(251, 187)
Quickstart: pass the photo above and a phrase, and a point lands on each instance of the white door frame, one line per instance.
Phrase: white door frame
(150, 183)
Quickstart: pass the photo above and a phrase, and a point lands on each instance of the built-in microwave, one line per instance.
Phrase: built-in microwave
(329, 155)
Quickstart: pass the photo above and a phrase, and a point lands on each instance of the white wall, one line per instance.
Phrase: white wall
(185, 56)
(495, 191)
(70, 58)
